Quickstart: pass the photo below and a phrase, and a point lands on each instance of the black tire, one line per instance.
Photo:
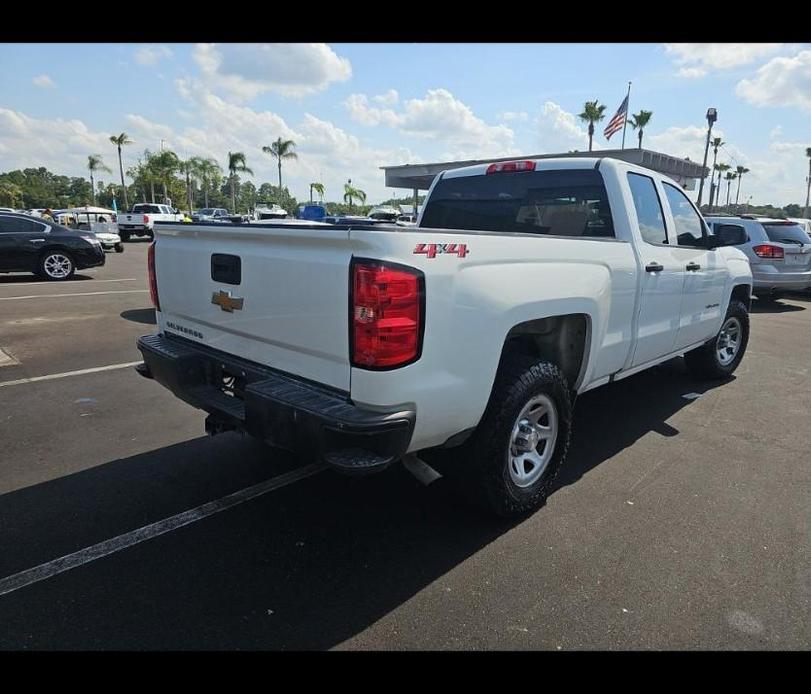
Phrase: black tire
(119, 248)
(50, 260)
(125, 235)
(482, 462)
(704, 362)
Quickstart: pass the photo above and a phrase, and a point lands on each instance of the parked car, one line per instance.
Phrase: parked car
(265, 210)
(779, 252)
(211, 214)
(804, 223)
(140, 221)
(54, 252)
(385, 213)
(312, 212)
(99, 220)
(524, 284)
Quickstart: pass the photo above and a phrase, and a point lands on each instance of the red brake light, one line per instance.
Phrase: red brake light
(766, 251)
(386, 322)
(153, 280)
(146, 219)
(509, 166)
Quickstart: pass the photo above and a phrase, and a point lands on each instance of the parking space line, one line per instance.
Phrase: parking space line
(52, 296)
(34, 284)
(65, 374)
(148, 532)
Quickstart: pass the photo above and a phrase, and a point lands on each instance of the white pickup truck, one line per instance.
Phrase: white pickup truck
(523, 284)
(140, 221)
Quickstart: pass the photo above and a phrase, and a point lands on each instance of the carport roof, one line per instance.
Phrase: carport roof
(420, 176)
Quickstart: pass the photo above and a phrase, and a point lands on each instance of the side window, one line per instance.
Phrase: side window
(648, 208)
(689, 227)
(15, 225)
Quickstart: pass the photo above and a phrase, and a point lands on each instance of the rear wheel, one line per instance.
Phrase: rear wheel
(510, 461)
(119, 248)
(125, 235)
(56, 266)
(719, 357)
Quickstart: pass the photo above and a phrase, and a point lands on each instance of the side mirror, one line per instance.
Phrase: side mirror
(729, 235)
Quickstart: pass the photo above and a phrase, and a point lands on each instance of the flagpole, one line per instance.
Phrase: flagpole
(627, 111)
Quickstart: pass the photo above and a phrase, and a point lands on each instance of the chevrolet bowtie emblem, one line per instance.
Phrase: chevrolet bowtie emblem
(227, 302)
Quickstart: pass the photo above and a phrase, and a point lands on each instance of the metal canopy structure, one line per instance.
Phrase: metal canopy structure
(420, 176)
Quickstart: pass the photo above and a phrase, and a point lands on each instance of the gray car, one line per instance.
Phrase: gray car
(779, 253)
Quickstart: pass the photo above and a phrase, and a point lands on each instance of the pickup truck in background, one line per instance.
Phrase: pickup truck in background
(140, 221)
(466, 337)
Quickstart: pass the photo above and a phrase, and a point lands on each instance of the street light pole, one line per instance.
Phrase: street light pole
(712, 116)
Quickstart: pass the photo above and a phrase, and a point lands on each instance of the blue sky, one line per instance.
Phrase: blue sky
(355, 107)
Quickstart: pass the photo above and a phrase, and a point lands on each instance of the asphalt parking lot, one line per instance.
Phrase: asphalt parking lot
(681, 520)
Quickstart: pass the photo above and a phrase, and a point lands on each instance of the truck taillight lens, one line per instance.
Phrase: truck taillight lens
(388, 313)
(153, 280)
(146, 219)
(510, 166)
(766, 251)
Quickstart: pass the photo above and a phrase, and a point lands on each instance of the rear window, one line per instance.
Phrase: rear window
(556, 203)
(780, 232)
(145, 209)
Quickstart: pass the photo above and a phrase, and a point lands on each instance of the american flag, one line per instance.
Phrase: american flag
(618, 121)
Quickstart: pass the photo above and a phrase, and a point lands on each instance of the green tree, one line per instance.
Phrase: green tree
(120, 141)
(164, 165)
(279, 150)
(236, 165)
(351, 193)
(593, 112)
(729, 177)
(210, 174)
(11, 195)
(740, 170)
(638, 121)
(94, 164)
(808, 184)
(318, 188)
(721, 169)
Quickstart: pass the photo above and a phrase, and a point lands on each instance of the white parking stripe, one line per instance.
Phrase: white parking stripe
(65, 374)
(34, 284)
(116, 544)
(51, 296)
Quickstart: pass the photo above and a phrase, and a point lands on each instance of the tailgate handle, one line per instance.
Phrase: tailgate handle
(226, 268)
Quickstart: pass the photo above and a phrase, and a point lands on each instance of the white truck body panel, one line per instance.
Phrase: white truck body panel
(295, 284)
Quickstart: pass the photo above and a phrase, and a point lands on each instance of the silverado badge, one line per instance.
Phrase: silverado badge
(227, 302)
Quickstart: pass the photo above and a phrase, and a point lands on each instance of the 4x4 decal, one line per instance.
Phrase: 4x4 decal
(434, 249)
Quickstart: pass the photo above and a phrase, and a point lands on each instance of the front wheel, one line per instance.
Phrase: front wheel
(510, 461)
(119, 248)
(56, 266)
(719, 357)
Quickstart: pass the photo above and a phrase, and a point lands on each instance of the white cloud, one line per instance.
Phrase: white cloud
(438, 116)
(561, 131)
(698, 59)
(291, 69)
(775, 132)
(390, 98)
(152, 55)
(780, 82)
(43, 81)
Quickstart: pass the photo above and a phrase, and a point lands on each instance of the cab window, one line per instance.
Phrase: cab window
(689, 225)
(648, 208)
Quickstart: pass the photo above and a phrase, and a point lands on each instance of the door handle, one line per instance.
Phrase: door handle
(36, 240)
(654, 267)
(692, 267)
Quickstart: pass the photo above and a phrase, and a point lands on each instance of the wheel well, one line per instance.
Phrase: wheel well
(742, 292)
(557, 339)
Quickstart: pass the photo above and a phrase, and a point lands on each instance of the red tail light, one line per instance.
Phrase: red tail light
(508, 166)
(146, 219)
(766, 251)
(153, 280)
(388, 310)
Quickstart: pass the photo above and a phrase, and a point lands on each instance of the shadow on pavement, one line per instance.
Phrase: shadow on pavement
(304, 567)
(29, 278)
(774, 307)
(140, 315)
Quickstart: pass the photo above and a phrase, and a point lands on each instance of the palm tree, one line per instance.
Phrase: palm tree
(119, 141)
(191, 170)
(721, 169)
(95, 163)
(640, 120)
(716, 143)
(740, 170)
(281, 149)
(209, 171)
(318, 188)
(729, 177)
(350, 193)
(593, 112)
(808, 188)
(236, 164)
(164, 165)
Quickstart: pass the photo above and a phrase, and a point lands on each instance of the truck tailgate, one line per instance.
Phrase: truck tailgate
(280, 297)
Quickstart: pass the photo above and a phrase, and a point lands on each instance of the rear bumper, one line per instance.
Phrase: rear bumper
(796, 281)
(306, 418)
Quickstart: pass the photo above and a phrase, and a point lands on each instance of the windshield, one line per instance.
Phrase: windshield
(207, 210)
(785, 232)
(560, 203)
